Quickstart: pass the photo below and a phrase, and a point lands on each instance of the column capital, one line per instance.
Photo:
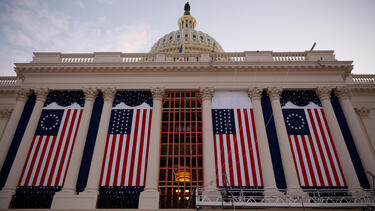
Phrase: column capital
(157, 93)
(324, 92)
(109, 94)
(274, 93)
(22, 94)
(90, 93)
(255, 93)
(343, 93)
(362, 111)
(206, 93)
(41, 94)
(5, 112)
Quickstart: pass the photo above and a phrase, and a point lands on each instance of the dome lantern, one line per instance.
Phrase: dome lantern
(187, 37)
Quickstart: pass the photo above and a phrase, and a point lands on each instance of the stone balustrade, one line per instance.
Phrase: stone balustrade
(364, 79)
(247, 56)
(8, 81)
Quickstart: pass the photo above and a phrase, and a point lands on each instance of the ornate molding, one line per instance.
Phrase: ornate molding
(343, 93)
(90, 93)
(157, 93)
(255, 93)
(225, 66)
(274, 93)
(324, 93)
(108, 94)
(41, 94)
(206, 93)
(5, 113)
(22, 94)
(363, 111)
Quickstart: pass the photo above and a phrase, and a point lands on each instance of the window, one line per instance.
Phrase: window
(181, 150)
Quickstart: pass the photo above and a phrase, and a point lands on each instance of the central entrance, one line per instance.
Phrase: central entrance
(181, 150)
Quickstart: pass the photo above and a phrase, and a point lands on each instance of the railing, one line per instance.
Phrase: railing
(289, 56)
(77, 58)
(364, 79)
(256, 198)
(247, 56)
(228, 57)
(8, 81)
(137, 57)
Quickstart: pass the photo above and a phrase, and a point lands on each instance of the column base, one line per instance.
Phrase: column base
(149, 199)
(211, 194)
(70, 200)
(5, 199)
(274, 195)
(298, 195)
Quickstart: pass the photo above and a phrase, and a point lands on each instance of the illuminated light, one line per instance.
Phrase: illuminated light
(183, 176)
(187, 197)
(186, 191)
(178, 191)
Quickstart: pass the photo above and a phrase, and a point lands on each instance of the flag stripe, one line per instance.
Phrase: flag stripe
(242, 150)
(71, 147)
(314, 154)
(125, 158)
(316, 141)
(333, 149)
(255, 142)
(141, 151)
(44, 173)
(144, 166)
(237, 155)
(49, 155)
(218, 169)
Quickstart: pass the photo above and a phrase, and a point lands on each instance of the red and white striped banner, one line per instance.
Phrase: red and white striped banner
(126, 152)
(49, 155)
(235, 141)
(314, 153)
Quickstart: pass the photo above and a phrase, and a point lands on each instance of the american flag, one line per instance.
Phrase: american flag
(313, 151)
(125, 157)
(49, 155)
(181, 58)
(236, 147)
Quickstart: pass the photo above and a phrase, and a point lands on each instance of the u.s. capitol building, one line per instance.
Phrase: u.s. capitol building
(187, 125)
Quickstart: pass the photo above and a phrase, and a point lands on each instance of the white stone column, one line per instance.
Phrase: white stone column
(290, 172)
(363, 113)
(97, 159)
(149, 198)
(91, 191)
(4, 119)
(67, 198)
(355, 125)
(16, 170)
(10, 129)
(351, 178)
(268, 174)
(208, 139)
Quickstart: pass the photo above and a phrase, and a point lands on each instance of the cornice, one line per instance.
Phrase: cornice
(367, 91)
(343, 66)
(9, 91)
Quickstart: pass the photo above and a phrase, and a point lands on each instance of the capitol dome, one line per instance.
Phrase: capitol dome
(186, 38)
